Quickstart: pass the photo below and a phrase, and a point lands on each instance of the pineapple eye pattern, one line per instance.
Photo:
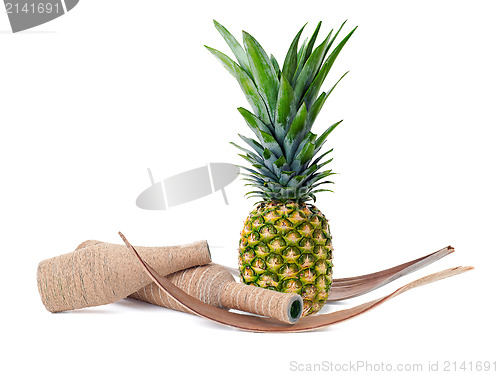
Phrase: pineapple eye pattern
(295, 260)
(307, 276)
(292, 286)
(306, 260)
(247, 256)
(277, 244)
(262, 250)
(268, 280)
(268, 231)
(248, 275)
(291, 254)
(274, 261)
(258, 265)
(288, 270)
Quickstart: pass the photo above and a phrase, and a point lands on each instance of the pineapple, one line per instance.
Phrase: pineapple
(285, 242)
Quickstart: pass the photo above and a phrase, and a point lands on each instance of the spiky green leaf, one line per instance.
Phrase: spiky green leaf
(268, 141)
(301, 55)
(286, 176)
(285, 109)
(276, 66)
(247, 85)
(296, 181)
(319, 176)
(269, 158)
(262, 71)
(290, 63)
(238, 51)
(254, 155)
(254, 122)
(315, 86)
(322, 138)
(295, 134)
(334, 38)
(306, 153)
(310, 70)
(310, 45)
(317, 160)
(253, 144)
(309, 138)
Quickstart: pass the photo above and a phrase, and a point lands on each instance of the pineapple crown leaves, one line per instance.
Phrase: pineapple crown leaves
(285, 101)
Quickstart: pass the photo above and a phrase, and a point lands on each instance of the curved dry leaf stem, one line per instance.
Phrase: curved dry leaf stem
(259, 324)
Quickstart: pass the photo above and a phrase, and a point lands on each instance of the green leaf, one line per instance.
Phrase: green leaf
(319, 176)
(301, 55)
(253, 172)
(312, 187)
(238, 51)
(290, 63)
(324, 163)
(262, 71)
(261, 179)
(311, 94)
(247, 85)
(254, 179)
(310, 45)
(250, 159)
(322, 138)
(274, 187)
(306, 153)
(253, 144)
(276, 66)
(263, 173)
(255, 156)
(309, 138)
(285, 109)
(307, 174)
(254, 122)
(310, 70)
(280, 162)
(315, 86)
(266, 171)
(295, 133)
(257, 194)
(322, 156)
(336, 83)
(286, 176)
(318, 103)
(334, 37)
(269, 142)
(296, 181)
(280, 166)
(313, 168)
(314, 110)
(268, 158)
(321, 190)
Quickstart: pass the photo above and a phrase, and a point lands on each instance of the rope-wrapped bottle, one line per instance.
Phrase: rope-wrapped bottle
(214, 284)
(98, 273)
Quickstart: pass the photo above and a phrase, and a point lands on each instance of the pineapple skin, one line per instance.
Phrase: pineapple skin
(287, 247)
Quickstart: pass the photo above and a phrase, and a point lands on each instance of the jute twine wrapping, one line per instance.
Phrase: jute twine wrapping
(214, 285)
(98, 273)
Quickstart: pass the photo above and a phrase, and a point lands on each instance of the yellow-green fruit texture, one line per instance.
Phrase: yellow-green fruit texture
(287, 247)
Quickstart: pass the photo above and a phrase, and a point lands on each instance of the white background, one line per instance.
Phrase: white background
(92, 99)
